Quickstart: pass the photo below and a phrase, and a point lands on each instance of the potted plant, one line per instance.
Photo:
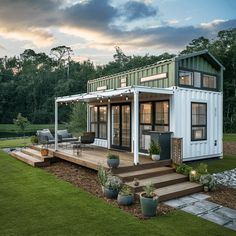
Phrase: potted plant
(113, 160)
(102, 176)
(125, 196)
(112, 186)
(148, 201)
(34, 140)
(155, 150)
(44, 150)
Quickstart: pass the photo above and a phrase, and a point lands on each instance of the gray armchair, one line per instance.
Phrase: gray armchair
(45, 137)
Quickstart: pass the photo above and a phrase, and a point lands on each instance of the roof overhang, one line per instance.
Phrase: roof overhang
(87, 97)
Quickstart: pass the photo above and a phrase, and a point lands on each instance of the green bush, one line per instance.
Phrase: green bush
(202, 169)
(183, 169)
(154, 148)
(209, 181)
(34, 139)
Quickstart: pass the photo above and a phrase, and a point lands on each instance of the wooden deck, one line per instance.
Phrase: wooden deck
(92, 157)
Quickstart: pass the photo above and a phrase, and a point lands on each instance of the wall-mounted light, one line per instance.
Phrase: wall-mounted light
(100, 101)
(109, 99)
(121, 95)
(126, 98)
(66, 103)
(97, 98)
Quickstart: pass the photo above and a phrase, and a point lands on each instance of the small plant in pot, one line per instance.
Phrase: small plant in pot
(148, 201)
(125, 196)
(155, 150)
(112, 186)
(113, 160)
(44, 150)
(102, 176)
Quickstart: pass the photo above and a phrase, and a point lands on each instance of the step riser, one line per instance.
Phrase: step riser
(38, 156)
(147, 175)
(162, 184)
(50, 153)
(181, 193)
(142, 166)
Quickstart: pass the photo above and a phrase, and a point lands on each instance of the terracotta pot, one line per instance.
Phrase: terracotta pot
(44, 152)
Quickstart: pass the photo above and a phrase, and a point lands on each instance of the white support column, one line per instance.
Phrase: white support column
(109, 125)
(136, 128)
(88, 117)
(56, 125)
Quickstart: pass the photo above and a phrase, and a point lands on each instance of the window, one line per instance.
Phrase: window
(98, 121)
(197, 80)
(209, 81)
(199, 121)
(186, 78)
(162, 116)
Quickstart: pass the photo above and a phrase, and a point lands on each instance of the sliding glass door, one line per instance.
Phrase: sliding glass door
(121, 126)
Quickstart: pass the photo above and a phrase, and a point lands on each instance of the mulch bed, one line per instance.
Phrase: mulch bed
(229, 147)
(224, 196)
(87, 180)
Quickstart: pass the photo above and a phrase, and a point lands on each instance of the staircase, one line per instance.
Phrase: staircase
(32, 157)
(167, 182)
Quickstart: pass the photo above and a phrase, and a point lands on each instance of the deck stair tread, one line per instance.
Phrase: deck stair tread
(28, 159)
(144, 171)
(177, 190)
(158, 180)
(36, 154)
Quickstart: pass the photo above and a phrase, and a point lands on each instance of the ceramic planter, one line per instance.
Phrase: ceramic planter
(113, 163)
(110, 193)
(44, 152)
(148, 205)
(125, 200)
(155, 157)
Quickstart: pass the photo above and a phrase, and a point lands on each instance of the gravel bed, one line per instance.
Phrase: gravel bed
(226, 178)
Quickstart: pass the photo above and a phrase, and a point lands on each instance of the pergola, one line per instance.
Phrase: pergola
(108, 95)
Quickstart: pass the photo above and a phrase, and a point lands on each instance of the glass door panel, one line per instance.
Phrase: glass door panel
(125, 141)
(115, 125)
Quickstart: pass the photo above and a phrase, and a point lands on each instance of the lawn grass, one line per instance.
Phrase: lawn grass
(33, 202)
(230, 137)
(11, 143)
(217, 165)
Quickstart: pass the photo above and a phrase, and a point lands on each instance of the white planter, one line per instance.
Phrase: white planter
(155, 157)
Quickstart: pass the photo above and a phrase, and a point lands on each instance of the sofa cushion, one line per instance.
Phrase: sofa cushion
(46, 133)
(64, 133)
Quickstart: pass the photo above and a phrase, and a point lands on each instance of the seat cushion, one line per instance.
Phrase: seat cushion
(64, 133)
(46, 133)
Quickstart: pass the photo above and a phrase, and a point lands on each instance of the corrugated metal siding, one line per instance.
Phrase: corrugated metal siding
(181, 122)
(133, 77)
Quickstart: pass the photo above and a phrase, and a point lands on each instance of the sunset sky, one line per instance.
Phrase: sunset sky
(93, 27)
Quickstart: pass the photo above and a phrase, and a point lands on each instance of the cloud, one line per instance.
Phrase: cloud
(133, 10)
(1, 47)
(212, 24)
(173, 21)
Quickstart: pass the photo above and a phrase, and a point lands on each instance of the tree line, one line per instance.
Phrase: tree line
(30, 82)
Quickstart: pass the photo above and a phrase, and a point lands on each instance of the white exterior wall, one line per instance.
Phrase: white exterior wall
(180, 122)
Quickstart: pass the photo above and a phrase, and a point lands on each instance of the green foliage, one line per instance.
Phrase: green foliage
(21, 122)
(34, 139)
(209, 181)
(126, 191)
(78, 118)
(154, 148)
(113, 182)
(103, 175)
(112, 156)
(149, 190)
(183, 169)
(202, 169)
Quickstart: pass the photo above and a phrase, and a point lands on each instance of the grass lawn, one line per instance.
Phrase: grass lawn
(217, 165)
(33, 202)
(230, 137)
(19, 142)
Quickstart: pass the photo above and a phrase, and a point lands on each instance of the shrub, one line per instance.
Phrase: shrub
(154, 148)
(209, 181)
(183, 169)
(34, 139)
(149, 190)
(202, 169)
(103, 175)
(126, 191)
(112, 156)
(113, 182)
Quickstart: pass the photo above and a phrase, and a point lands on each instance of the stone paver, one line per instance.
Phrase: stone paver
(216, 218)
(197, 204)
(228, 212)
(194, 210)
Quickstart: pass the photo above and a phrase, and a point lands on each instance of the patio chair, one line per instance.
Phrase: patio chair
(45, 137)
(87, 138)
(65, 136)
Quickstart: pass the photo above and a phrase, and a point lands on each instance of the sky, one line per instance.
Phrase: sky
(92, 28)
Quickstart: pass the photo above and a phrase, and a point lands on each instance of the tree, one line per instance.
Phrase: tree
(21, 123)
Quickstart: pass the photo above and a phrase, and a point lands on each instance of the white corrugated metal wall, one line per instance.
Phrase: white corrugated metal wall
(180, 122)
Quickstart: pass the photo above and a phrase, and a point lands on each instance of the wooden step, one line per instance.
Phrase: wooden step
(177, 190)
(36, 154)
(158, 181)
(145, 173)
(38, 148)
(29, 159)
(142, 166)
